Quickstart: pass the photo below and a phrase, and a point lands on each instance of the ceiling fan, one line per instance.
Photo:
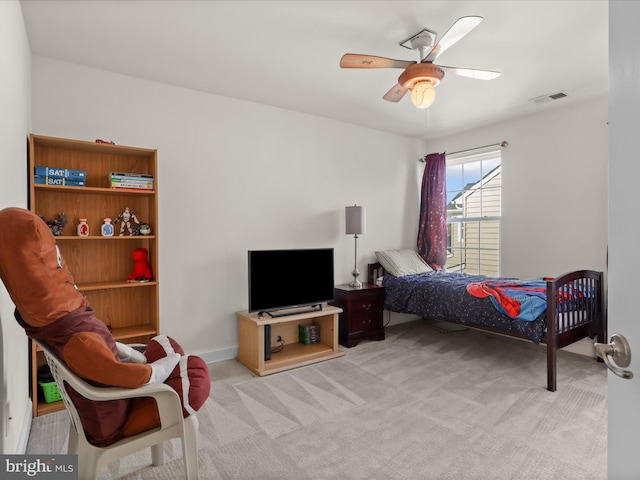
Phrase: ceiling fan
(421, 77)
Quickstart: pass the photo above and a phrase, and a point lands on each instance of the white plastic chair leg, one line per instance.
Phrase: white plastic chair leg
(157, 454)
(88, 464)
(72, 443)
(190, 447)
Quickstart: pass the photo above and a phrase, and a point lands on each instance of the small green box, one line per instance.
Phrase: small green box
(51, 392)
(308, 334)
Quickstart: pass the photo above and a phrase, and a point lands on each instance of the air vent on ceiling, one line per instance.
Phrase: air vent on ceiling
(548, 98)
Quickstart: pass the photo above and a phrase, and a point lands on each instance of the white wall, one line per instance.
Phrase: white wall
(235, 176)
(15, 104)
(554, 191)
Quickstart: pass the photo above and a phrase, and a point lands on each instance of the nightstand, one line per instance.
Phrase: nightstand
(362, 313)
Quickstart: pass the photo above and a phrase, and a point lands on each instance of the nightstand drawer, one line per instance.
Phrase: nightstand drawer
(365, 323)
(370, 302)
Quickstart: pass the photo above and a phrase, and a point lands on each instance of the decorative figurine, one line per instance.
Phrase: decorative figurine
(145, 229)
(126, 217)
(107, 228)
(83, 228)
(56, 225)
(142, 229)
(141, 268)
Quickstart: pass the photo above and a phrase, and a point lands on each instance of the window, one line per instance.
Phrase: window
(473, 213)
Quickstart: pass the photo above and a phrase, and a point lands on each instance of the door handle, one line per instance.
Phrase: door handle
(619, 350)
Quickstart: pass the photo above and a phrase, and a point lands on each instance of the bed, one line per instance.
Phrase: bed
(572, 305)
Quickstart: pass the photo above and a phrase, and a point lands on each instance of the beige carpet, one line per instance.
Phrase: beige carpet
(421, 404)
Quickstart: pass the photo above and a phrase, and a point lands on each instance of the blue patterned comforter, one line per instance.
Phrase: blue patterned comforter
(443, 296)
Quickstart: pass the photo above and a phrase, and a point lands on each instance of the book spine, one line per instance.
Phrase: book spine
(133, 176)
(132, 179)
(119, 187)
(139, 186)
(131, 183)
(76, 174)
(70, 182)
(54, 172)
(58, 181)
(303, 334)
(308, 334)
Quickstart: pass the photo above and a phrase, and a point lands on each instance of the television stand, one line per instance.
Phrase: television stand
(251, 334)
(292, 311)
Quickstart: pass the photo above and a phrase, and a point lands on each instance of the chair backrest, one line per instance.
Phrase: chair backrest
(63, 376)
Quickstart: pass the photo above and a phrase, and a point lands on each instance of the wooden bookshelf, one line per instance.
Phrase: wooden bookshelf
(100, 265)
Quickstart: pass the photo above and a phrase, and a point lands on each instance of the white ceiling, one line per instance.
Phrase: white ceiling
(286, 53)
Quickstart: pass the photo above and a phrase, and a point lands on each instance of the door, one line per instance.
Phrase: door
(623, 396)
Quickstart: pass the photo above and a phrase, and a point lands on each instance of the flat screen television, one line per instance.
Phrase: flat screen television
(286, 279)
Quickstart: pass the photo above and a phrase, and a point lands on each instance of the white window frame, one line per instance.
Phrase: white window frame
(461, 248)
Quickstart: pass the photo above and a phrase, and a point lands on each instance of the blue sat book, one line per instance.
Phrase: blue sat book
(58, 181)
(54, 172)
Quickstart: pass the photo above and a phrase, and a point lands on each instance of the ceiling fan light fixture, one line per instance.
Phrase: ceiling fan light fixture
(423, 94)
(421, 71)
(421, 79)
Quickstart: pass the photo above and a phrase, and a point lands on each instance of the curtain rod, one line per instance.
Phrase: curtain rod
(503, 144)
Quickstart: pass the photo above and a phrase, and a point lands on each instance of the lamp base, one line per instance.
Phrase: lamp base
(356, 283)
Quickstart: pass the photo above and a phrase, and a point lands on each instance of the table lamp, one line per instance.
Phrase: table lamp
(355, 225)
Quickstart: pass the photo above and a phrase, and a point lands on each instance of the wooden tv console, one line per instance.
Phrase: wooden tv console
(251, 332)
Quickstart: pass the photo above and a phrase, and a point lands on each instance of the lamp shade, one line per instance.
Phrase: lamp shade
(355, 220)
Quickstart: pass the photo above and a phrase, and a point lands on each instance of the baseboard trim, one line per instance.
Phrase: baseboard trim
(230, 353)
(221, 355)
(394, 318)
(21, 448)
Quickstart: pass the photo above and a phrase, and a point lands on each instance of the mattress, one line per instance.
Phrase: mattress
(443, 296)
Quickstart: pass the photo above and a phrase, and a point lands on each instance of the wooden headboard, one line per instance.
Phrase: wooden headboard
(374, 271)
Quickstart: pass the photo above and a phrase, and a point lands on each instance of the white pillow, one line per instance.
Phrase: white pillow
(402, 262)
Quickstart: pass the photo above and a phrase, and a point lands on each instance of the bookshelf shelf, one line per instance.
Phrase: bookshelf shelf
(95, 190)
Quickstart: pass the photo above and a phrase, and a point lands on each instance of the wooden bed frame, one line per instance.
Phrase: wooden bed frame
(585, 316)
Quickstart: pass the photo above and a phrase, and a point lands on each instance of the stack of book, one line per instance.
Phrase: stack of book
(60, 177)
(308, 334)
(131, 181)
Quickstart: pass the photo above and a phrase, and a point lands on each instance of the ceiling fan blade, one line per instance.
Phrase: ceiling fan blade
(355, 60)
(471, 73)
(459, 29)
(395, 94)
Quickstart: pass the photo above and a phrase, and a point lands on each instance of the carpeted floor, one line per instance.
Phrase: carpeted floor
(425, 403)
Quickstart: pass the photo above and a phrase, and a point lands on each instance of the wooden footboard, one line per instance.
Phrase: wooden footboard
(575, 310)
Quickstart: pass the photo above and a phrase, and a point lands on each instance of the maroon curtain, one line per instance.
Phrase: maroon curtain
(432, 231)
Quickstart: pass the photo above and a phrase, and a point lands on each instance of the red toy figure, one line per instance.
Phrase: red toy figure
(141, 269)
